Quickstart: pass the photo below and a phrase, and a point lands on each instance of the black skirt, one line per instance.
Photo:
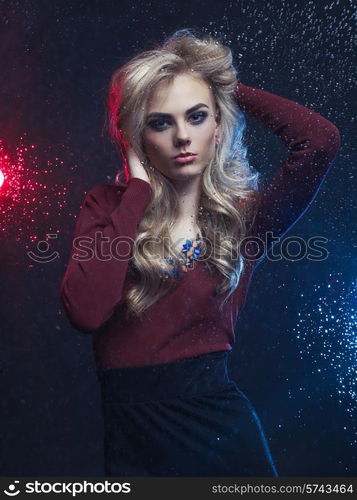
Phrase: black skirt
(185, 418)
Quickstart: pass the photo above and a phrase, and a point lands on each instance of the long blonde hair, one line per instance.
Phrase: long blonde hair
(226, 180)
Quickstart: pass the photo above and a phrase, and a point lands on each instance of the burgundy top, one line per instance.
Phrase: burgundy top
(187, 322)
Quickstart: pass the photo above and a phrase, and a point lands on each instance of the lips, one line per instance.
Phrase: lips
(185, 158)
(182, 155)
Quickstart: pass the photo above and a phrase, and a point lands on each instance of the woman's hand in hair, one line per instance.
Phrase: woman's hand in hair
(135, 165)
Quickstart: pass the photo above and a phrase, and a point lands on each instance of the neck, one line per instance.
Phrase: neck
(189, 193)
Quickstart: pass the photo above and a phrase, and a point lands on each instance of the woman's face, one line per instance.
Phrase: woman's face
(180, 118)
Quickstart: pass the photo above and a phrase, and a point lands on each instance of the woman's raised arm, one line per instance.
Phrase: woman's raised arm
(313, 142)
(93, 283)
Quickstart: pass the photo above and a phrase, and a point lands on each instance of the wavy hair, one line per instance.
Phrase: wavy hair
(229, 193)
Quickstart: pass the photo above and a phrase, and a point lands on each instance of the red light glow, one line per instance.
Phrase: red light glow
(32, 196)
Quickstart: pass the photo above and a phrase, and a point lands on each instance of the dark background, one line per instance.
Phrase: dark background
(295, 353)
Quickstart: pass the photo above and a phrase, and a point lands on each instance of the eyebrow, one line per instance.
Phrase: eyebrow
(167, 115)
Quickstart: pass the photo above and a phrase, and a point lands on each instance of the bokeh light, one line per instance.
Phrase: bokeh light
(326, 330)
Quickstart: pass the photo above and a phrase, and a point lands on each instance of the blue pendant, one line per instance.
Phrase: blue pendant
(189, 260)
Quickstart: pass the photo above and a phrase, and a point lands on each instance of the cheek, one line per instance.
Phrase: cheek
(146, 142)
(153, 145)
(208, 146)
(209, 141)
(208, 134)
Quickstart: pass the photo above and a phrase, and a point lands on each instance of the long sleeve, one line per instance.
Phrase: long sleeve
(313, 142)
(92, 285)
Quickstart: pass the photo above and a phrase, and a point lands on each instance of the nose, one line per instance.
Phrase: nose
(181, 137)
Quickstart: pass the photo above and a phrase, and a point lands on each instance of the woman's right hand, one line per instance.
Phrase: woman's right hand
(136, 166)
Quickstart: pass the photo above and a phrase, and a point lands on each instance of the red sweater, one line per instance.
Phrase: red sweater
(187, 322)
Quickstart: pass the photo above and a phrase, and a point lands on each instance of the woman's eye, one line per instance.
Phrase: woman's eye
(156, 124)
(201, 115)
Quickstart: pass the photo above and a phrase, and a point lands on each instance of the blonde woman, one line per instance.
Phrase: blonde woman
(162, 259)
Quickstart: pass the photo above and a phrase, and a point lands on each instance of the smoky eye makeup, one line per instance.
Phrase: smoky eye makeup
(201, 116)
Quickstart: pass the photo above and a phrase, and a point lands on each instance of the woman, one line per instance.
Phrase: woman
(170, 252)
